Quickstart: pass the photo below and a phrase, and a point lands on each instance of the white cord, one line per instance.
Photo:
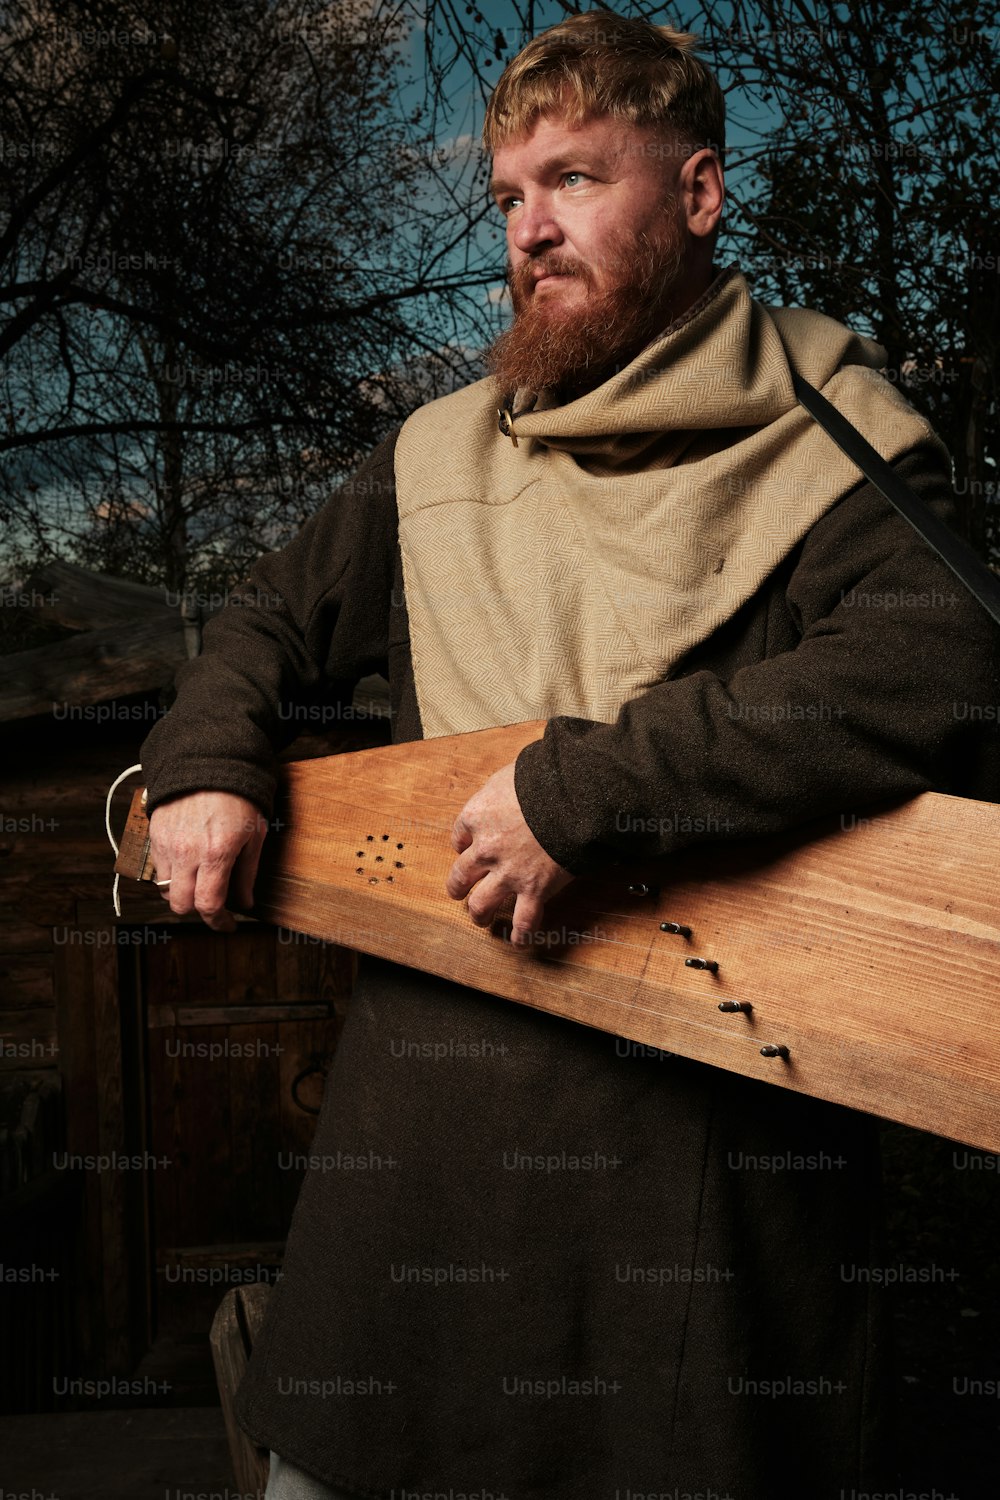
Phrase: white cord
(111, 838)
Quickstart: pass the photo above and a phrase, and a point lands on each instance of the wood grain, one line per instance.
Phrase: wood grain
(869, 948)
(93, 666)
(234, 1332)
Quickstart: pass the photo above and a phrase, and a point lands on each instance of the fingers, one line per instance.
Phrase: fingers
(487, 898)
(211, 888)
(461, 834)
(527, 920)
(464, 874)
(489, 887)
(499, 858)
(167, 878)
(199, 843)
(199, 886)
(161, 860)
(241, 881)
(490, 894)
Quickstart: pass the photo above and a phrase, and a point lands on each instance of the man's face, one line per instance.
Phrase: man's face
(595, 245)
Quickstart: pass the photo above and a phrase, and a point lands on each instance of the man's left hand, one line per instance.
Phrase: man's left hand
(500, 856)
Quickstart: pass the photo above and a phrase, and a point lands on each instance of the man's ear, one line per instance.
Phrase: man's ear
(701, 190)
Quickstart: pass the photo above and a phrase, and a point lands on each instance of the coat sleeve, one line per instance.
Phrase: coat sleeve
(882, 696)
(317, 611)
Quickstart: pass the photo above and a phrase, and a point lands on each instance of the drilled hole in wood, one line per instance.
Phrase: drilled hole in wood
(359, 870)
(385, 838)
(379, 860)
(400, 865)
(370, 837)
(399, 846)
(373, 880)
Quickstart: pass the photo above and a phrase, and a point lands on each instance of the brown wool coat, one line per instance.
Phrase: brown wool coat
(552, 1264)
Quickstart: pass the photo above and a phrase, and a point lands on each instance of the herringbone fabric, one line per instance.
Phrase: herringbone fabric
(626, 525)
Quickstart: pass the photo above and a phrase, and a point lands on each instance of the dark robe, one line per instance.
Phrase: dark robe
(533, 1260)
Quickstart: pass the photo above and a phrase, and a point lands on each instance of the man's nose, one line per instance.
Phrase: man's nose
(535, 226)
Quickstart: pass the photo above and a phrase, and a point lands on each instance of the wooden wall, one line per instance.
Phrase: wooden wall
(147, 1037)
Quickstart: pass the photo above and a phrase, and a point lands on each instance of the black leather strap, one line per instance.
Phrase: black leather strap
(960, 558)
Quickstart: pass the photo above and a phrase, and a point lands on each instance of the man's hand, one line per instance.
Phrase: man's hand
(198, 843)
(500, 856)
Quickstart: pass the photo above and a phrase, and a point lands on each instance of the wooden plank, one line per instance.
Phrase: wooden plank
(202, 1165)
(233, 1015)
(18, 932)
(77, 1065)
(26, 982)
(28, 1040)
(115, 1257)
(252, 1082)
(143, 1453)
(870, 953)
(55, 906)
(308, 966)
(131, 990)
(164, 979)
(83, 600)
(196, 1107)
(92, 667)
(221, 1075)
(90, 1061)
(234, 1332)
(133, 845)
(247, 1255)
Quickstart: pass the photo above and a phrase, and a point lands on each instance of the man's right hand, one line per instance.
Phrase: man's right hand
(207, 845)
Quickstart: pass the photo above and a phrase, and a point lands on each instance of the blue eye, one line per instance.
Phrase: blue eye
(569, 179)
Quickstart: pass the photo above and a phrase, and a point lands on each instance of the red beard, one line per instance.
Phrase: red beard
(571, 349)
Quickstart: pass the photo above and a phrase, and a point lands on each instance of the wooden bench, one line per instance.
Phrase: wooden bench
(234, 1329)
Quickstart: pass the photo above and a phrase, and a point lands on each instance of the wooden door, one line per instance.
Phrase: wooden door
(237, 1032)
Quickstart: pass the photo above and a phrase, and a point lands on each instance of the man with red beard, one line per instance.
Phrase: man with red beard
(571, 1269)
(590, 290)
